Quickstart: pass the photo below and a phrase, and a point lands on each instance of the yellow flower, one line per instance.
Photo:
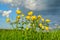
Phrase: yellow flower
(33, 25)
(18, 12)
(33, 18)
(27, 17)
(30, 13)
(47, 28)
(47, 20)
(39, 17)
(30, 24)
(17, 20)
(7, 20)
(40, 25)
(37, 20)
(42, 19)
(18, 17)
(27, 28)
(23, 15)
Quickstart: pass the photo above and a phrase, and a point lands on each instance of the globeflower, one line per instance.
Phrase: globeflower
(39, 17)
(33, 25)
(8, 20)
(47, 28)
(33, 18)
(17, 20)
(47, 20)
(23, 15)
(27, 28)
(27, 17)
(40, 25)
(42, 19)
(18, 17)
(30, 13)
(18, 11)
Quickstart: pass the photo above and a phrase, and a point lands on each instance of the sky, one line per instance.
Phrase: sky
(47, 8)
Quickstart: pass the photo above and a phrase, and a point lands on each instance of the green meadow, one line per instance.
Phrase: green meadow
(30, 32)
(29, 35)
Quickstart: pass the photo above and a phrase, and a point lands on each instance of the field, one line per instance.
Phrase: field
(29, 35)
(29, 27)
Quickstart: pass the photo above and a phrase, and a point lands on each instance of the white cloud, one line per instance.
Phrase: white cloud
(35, 4)
(6, 1)
(30, 4)
(6, 13)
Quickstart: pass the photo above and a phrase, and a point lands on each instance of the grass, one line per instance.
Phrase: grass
(29, 35)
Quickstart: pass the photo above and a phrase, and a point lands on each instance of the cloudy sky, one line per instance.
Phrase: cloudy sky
(47, 8)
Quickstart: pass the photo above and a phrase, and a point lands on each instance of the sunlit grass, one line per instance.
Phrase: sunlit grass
(29, 35)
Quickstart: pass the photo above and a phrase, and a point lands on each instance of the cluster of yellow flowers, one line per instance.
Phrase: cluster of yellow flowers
(18, 12)
(32, 17)
(39, 20)
(41, 25)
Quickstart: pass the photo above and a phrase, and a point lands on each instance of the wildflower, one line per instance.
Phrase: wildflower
(30, 24)
(33, 25)
(47, 28)
(40, 25)
(39, 16)
(27, 17)
(47, 20)
(33, 18)
(27, 28)
(30, 13)
(18, 11)
(18, 17)
(23, 15)
(37, 20)
(17, 20)
(42, 19)
(7, 20)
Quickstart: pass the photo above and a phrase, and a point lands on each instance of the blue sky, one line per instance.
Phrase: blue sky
(50, 10)
(2, 19)
(5, 7)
